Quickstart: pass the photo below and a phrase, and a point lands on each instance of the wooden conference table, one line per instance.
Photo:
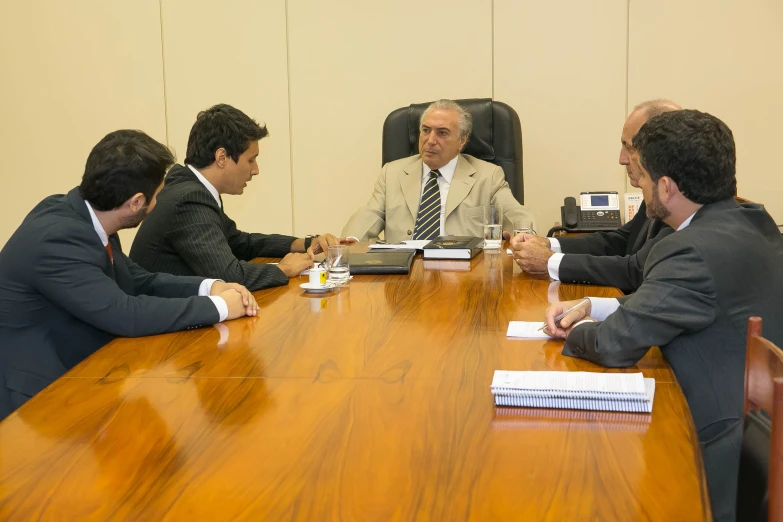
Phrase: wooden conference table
(368, 404)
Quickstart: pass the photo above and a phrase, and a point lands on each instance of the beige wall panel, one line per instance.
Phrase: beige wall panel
(353, 62)
(561, 65)
(234, 52)
(72, 72)
(722, 57)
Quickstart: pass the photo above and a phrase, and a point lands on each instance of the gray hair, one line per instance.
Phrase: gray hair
(653, 108)
(465, 120)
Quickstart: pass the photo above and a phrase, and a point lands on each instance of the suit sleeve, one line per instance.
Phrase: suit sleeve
(247, 246)
(69, 275)
(513, 211)
(678, 296)
(369, 221)
(610, 243)
(197, 235)
(159, 284)
(623, 272)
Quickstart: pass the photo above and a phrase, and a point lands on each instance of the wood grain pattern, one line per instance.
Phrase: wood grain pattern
(371, 403)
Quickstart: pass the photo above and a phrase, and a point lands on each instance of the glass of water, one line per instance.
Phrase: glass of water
(338, 264)
(493, 226)
(523, 227)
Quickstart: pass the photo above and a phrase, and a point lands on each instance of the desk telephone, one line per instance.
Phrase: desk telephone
(598, 211)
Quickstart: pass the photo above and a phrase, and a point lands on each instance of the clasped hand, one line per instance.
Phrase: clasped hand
(239, 300)
(531, 253)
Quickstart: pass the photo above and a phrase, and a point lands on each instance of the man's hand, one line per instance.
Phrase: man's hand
(324, 241)
(248, 301)
(293, 264)
(235, 302)
(561, 330)
(528, 238)
(530, 253)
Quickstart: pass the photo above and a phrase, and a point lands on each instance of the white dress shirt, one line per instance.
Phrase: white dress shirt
(444, 182)
(203, 290)
(212, 190)
(603, 307)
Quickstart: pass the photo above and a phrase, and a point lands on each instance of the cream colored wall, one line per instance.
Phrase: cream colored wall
(723, 58)
(323, 76)
(561, 65)
(352, 63)
(72, 72)
(233, 52)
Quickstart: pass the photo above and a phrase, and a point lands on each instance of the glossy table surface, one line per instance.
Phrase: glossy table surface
(370, 403)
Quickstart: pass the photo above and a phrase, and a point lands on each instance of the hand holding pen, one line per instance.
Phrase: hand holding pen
(561, 316)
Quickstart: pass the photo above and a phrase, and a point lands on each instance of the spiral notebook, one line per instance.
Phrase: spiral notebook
(628, 392)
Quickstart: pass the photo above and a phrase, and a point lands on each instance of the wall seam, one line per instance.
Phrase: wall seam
(290, 120)
(492, 47)
(163, 66)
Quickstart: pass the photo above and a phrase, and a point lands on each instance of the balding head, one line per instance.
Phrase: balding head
(638, 117)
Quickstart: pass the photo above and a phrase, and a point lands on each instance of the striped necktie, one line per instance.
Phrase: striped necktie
(428, 220)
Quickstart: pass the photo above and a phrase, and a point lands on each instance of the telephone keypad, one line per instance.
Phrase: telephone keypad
(601, 218)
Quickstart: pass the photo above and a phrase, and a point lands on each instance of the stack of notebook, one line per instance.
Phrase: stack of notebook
(629, 392)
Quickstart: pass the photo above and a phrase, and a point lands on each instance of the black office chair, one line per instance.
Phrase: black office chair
(496, 137)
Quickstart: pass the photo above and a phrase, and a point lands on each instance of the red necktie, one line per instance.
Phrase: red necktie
(108, 250)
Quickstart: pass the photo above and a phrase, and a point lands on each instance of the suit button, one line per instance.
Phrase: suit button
(409, 232)
(579, 350)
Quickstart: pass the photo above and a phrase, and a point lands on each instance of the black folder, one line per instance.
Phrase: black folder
(383, 262)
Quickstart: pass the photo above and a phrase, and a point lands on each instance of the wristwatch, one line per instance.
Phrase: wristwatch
(309, 240)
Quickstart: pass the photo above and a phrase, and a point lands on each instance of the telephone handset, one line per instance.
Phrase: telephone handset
(598, 211)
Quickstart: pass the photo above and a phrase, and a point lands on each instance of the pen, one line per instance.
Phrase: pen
(559, 317)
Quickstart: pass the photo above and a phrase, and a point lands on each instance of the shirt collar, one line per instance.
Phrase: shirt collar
(447, 170)
(212, 190)
(97, 225)
(686, 222)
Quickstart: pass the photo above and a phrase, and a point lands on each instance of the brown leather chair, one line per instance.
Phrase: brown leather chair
(760, 491)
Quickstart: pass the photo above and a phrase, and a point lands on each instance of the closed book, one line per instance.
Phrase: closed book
(453, 247)
(386, 262)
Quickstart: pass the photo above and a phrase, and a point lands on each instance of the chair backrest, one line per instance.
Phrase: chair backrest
(763, 434)
(496, 137)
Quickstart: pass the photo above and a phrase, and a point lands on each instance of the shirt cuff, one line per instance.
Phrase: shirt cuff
(553, 266)
(603, 307)
(352, 237)
(206, 287)
(221, 306)
(554, 245)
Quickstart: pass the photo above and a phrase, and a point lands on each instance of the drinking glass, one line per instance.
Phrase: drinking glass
(525, 227)
(338, 264)
(493, 226)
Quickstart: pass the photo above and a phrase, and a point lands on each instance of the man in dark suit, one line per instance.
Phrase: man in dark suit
(723, 264)
(190, 233)
(66, 288)
(614, 258)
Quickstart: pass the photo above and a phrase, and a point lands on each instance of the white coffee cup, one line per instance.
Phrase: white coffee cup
(318, 276)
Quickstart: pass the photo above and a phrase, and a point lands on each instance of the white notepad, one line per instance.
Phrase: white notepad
(409, 244)
(629, 392)
(526, 330)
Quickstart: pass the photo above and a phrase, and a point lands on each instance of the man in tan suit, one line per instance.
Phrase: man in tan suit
(454, 187)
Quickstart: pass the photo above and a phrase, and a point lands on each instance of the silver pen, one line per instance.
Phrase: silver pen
(559, 317)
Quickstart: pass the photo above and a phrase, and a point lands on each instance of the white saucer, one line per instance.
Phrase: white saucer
(317, 289)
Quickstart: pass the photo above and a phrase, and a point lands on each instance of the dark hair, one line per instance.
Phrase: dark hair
(694, 149)
(221, 126)
(122, 164)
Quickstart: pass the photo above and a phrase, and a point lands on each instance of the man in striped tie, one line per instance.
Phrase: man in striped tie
(439, 191)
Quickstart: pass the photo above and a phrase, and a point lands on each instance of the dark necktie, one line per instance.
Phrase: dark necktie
(428, 220)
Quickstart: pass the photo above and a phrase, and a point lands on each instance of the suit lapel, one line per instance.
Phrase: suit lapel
(410, 184)
(461, 184)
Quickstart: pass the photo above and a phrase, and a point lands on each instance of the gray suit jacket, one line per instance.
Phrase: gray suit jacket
(61, 298)
(614, 258)
(187, 233)
(394, 204)
(701, 285)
